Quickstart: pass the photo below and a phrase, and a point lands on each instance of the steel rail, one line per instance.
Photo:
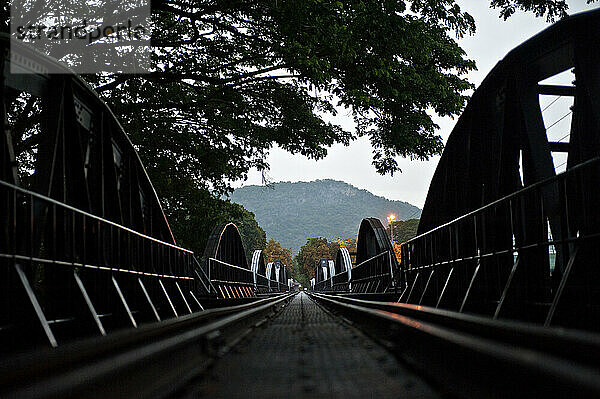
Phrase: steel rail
(474, 357)
(152, 361)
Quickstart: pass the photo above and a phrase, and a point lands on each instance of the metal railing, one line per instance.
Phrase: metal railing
(262, 284)
(67, 273)
(500, 259)
(279, 286)
(374, 275)
(323, 285)
(341, 282)
(231, 281)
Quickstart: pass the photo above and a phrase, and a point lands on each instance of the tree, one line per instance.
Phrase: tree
(397, 251)
(310, 253)
(318, 247)
(349, 243)
(193, 213)
(232, 79)
(404, 230)
(273, 251)
(253, 236)
(299, 274)
(551, 8)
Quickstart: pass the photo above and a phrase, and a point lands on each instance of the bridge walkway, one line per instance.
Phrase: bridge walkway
(305, 351)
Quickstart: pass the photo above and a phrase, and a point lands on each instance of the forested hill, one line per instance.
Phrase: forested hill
(292, 212)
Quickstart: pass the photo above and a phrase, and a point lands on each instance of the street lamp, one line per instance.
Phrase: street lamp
(391, 219)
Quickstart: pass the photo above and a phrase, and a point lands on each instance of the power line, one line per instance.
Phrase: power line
(564, 137)
(558, 166)
(548, 106)
(563, 117)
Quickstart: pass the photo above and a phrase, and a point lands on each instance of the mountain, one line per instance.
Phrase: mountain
(292, 212)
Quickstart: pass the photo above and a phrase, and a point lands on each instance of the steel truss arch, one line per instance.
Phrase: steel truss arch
(331, 267)
(283, 277)
(82, 156)
(85, 248)
(321, 271)
(495, 191)
(372, 240)
(225, 262)
(276, 270)
(343, 261)
(343, 264)
(376, 269)
(268, 270)
(376, 266)
(225, 244)
(258, 262)
(480, 162)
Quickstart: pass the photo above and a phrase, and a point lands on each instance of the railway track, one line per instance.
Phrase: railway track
(476, 357)
(152, 361)
(461, 355)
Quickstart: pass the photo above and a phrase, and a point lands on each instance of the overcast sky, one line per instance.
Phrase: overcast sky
(493, 39)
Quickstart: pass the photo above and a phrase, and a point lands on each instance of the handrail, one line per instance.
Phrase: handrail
(368, 260)
(230, 265)
(90, 215)
(513, 257)
(530, 187)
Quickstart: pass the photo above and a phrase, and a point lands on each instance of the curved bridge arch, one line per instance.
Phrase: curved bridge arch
(277, 275)
(376, 265)
(283, 274)
(496, 194)
(83, 157)
(342, 270)
(331, 266)
(70, 174)
(269, 271)
(503, 121)
(226, 264)
(225, 244)
(343, 261)
(258, 262)
(276, 271)
(321, 271)
(372, 240)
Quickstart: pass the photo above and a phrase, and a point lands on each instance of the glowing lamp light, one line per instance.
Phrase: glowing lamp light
(391, 218)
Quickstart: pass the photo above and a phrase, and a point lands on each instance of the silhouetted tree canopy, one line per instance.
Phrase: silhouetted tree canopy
(234, 78)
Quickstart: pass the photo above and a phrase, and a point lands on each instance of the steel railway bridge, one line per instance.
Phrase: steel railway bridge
(499, 294)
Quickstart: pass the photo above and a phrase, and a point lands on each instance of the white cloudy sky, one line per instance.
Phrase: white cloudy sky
(492, 41)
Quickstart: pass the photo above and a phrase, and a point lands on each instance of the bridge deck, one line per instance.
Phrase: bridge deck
(305, 351)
